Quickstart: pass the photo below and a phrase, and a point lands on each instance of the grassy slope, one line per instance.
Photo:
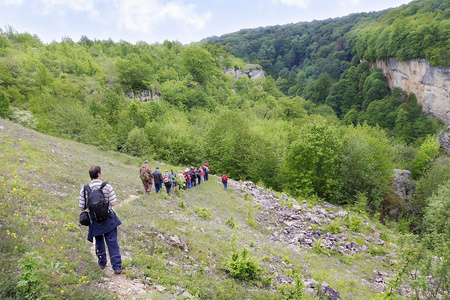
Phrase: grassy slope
(40, 177)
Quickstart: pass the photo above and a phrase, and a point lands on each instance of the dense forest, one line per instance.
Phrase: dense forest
(320, 61)
(322, 124)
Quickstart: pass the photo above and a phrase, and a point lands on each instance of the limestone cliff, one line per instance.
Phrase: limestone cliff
(250, 71)
(430, 84)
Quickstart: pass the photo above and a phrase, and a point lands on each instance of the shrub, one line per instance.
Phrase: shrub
(4, 105)
(334, 227)
(242, 266)
(203, 212)
(437, 214)
(293, 291)
(23, 117)
(436, 175)
(354, 222)
(30, 283)
(317, 247)
(427, 152)
(230, 222)
(366, 165)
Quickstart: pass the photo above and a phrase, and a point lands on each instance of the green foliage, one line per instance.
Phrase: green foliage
(365, 165)
(334, 227)
(292, 291)
(436, 176)
(4, 105)
(199, 63)
(23, 117)
(422, 258)
(30, 282)
(242, 266)
(312, 162)
(231, 222)
(426, 154)
(354, 222)
(437, 213)
(203, 212)
(317, 247)
(416, 30)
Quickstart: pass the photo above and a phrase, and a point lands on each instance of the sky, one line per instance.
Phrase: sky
(154, 21)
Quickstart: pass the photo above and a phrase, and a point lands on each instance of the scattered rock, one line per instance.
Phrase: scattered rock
(281, 279)
(380, 288)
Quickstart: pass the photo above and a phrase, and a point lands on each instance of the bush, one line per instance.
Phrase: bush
(334, 227)
(23, 117)
(230, 222)
(293, 291)
(242, 266)
(437, 175)
(203, 212)
(426, 154)
(4, 105)
(354, 222)
(366, 165)
(30, 283)
(437, 214)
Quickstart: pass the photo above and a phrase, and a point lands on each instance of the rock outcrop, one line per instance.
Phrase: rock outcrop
(444, 139)
(402, 188)
(145, 95)
(431, 85)
(250, 71)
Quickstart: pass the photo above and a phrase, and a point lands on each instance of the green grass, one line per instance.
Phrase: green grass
(42, 244)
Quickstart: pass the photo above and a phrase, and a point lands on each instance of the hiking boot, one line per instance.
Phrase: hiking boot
(117, 272)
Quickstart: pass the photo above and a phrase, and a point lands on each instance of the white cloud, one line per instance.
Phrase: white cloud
(76, 5)
(142, 16)
(11, 2)
(297, 3)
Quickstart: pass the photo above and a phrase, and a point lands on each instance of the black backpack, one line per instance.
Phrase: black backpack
(97, 204)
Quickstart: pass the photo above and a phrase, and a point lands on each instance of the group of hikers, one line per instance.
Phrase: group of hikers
(99, 197)
(190, 177)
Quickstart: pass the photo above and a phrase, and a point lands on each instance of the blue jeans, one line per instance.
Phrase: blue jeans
(158, 187)
(224, 185)
(113, 247)
(189, 185)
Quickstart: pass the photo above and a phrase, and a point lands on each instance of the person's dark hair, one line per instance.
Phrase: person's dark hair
(94, 171)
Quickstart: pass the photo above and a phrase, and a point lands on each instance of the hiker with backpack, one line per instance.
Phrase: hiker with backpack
(188, 184)
(99, 197)
(174, 179)
(193, 177)
(206, 170)
(225, 181)
(145, 173)
(167, 180)
(197, 172)
(158, 178)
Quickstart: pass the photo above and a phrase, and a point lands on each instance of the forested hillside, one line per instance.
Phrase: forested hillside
(320, 61)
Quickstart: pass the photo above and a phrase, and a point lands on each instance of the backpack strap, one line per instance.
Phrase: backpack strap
(103, 185)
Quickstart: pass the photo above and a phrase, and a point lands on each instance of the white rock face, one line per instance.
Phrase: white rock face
(430, 84)
(250, 71)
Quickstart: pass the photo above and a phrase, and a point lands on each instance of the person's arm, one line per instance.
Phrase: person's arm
(81, 201)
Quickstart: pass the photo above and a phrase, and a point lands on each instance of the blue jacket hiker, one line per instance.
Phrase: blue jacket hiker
(106, 231)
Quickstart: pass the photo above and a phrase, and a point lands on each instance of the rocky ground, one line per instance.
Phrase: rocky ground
(297, 226)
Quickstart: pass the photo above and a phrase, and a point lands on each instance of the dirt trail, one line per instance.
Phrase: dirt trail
(120, 284)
